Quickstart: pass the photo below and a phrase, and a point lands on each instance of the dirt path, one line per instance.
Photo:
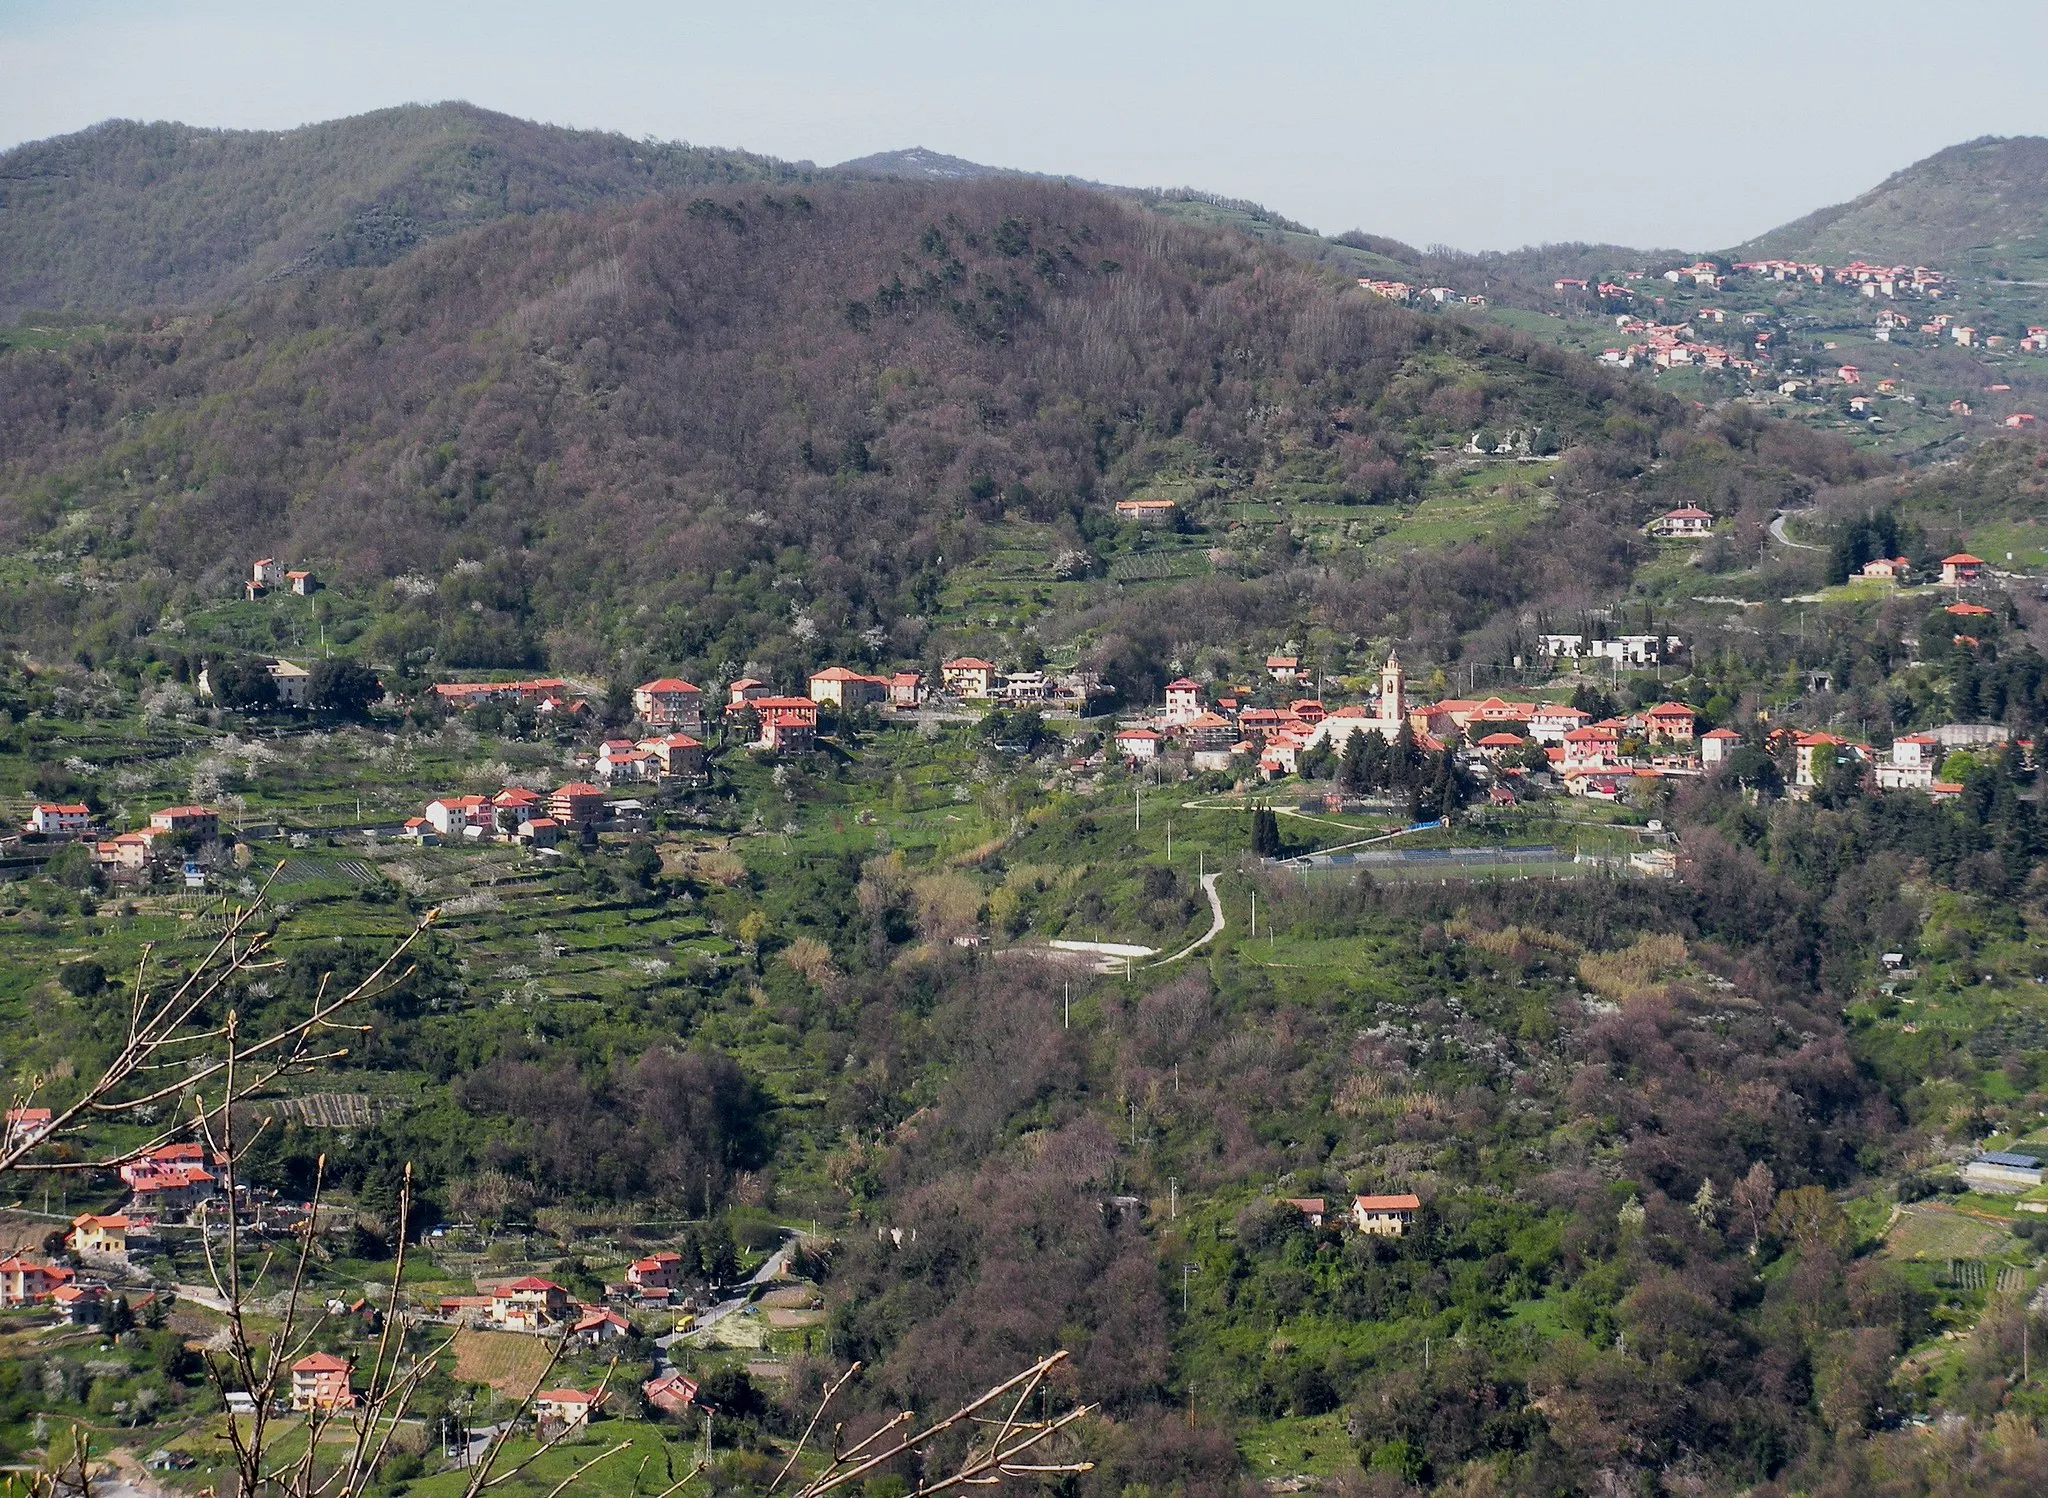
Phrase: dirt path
(1216, 923)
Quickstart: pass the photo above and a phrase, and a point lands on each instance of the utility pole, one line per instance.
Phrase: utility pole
(1187, 1272)
(1137, 805)
(1067, 1006)
(1255, 913)
(1134, 1124)
(1169, 839)
(1173, 1196)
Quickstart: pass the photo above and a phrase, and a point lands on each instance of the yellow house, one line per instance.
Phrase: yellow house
(99, 1237)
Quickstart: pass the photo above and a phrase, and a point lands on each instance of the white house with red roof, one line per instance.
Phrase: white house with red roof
(906, 689)
(599, 1325)
(568, 1407)
(1185, 701)
(1384, 1216)
(1912, 763)
(660, 1270)
(1284, 668)
(458, 817)
(28, 1125)
(1553, 720)
(60, 819)
(1139, 744)
(1717, 744)
(669, 702)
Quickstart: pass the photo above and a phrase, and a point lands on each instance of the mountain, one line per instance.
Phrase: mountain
(747, 424)
(127, 214)
(921, 165)
(1984, 202)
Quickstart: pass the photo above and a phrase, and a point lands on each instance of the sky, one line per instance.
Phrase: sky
(1484, 124)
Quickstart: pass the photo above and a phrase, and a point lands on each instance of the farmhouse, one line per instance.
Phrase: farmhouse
(1960, 569)
(1147, 511)
(1890, 569)
(847, 690)
(99, 1238)
(565, 1406)
(1687, 524)
(27, 1125)
(1384, 1216)
(671, 1393)
(68, 819)
(1138, 744)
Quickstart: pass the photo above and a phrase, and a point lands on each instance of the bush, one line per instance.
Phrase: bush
(83, 978)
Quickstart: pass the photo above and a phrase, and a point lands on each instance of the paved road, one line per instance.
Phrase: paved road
(1216, 922)
(1778, 534)
(770, 1268)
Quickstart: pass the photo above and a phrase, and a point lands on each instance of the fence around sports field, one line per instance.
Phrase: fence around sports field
(1439, 863)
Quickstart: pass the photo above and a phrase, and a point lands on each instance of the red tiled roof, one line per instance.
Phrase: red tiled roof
(1402, 1203)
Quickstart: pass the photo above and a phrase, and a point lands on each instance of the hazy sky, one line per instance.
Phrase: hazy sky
(1480, 123)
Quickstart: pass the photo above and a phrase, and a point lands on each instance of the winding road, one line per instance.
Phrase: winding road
(1216, 923)
(1778, 534)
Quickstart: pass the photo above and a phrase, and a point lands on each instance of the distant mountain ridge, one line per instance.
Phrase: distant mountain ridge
(922, 164)
(128, 214)
(1984, 202)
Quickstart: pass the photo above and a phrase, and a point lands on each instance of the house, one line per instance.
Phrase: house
(847, 690)
(1687, 524)
(1890, 569)
(534, 693)
(1139, 744)
(661, 1270)
(169, 1188)
(577, 804)
(23, 1283)
(1209, 731)
(292, 682)
(1671, 722)
(1311, 1207)
(1717, 745)
(80, 1305)
(1849, 374)
(2003, 1171)
(101, 1238)
(1185, 701)
(1552, 721)
(1815, 754)
(265, 573)
(622, 759)
(671, 1393)
(675, 753)
(127, 854)
(1384, 1216)
(2020, 419)
(1147, 511)
(423, 832)
(539, 832)
(1496, 746)
(745, 691)
(1960, 569)
(27, 1126)
(302, 583)
(458, 817)
(566, 1406)
(1912, 763)
(1968, 611)
(669, 703)
(201, 822)
(789, 725)
(970, 676)
(528, 1304)
(1285, 668)
(67, 819)
(906, 688)
(320, 1383)
(599, 1325)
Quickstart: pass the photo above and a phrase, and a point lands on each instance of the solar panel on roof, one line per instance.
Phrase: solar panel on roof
(2005, 1157)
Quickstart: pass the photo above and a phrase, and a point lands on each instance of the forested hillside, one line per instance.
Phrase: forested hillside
(1984, 202)
(127, 214)
(769, 424)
